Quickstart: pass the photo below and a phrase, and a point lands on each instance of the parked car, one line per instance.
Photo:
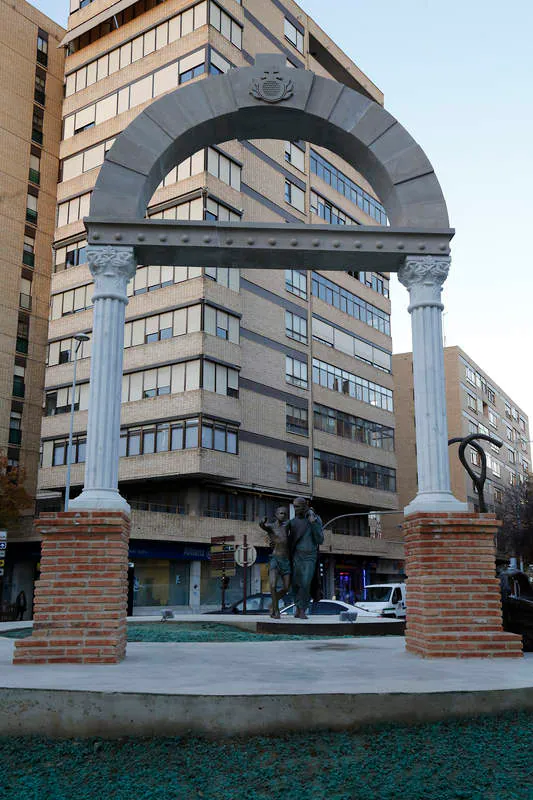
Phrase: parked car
(260, 603)
(517, 605)
(384, 600)
(326, 607)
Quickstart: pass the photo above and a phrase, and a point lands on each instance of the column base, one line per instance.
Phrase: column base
(453, 596)
(81, 598)
(99, 500)
(429, 502)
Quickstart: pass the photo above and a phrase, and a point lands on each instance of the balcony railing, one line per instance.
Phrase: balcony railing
(216, 514)
(159, 508)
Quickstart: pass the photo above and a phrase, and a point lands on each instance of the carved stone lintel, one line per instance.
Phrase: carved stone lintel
(424, 270)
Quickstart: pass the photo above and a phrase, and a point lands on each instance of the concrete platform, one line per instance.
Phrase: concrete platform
(223, 689)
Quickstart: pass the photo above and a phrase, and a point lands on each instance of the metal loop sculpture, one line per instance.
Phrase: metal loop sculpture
(478, 480)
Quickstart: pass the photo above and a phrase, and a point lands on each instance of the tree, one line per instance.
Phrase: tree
(515, 537)
(13, 496)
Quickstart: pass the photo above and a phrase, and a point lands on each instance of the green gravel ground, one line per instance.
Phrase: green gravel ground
(488, 758)
(186, 632)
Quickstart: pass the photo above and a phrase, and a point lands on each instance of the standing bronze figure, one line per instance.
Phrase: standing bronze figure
(305, 537)
(279, 564)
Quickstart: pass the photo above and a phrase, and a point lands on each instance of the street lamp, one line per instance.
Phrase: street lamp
(79, 338)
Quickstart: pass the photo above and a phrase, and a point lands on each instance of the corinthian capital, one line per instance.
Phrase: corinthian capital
(111, 262)
(424, 271)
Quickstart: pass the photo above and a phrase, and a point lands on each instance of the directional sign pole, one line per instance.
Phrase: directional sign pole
(245, 571)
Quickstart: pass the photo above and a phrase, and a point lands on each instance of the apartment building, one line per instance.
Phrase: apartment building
(31, 66)
(475, 404)
(242, 388)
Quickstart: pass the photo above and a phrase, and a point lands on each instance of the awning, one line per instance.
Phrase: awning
(103, 16)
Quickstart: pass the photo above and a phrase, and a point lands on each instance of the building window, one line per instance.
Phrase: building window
(141, 46)
(225, 24)
(522, 423)
(511, 456)
(150, 279)
(23, 333)
(508, 410)
(345, 186)
(296, 282)
(219, 436)
(295, 154)
(15, 426)
(59, 401)
(373, 280)
(493, 419)
(224, 168)
(25, 299)
(73, 210)
(296, 468)
(350, 344)
(293, 35)
(189, 74)
(42, 48)
(72, 301)
(31, 209)
(62, 351)
(19, 387)
(349, 470)
(296, 372)
(220, 379)
(475, 458)
(296, 327)
(224, 505)
(70, 256)
(224, 276)
(296, 420)
(356, 429)
(34, 174)
(339, 380)
(330, 213)
(28, 251)
(350, 303)
(40, 86)
(295, 196)
(217, 212)
(37, 125)
(85, 161)
(498, 495)
(220, 323)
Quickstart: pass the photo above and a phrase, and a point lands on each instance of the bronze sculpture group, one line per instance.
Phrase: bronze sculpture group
(294, 558)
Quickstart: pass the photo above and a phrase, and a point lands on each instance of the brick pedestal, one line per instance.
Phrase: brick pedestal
(81, 598)
(453, 595)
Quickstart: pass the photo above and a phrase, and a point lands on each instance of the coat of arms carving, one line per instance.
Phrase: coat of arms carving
(272, 87)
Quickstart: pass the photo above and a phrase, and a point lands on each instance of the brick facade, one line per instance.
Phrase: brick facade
(81, 597)
(453, 595)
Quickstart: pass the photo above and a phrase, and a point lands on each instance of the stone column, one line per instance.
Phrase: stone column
(423, 276)
(112, 268)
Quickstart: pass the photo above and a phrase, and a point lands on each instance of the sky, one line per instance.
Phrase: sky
(458, 76)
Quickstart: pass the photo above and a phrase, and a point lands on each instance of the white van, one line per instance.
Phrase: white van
(384, 600)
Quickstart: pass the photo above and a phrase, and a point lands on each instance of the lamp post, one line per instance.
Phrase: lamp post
(79, 338)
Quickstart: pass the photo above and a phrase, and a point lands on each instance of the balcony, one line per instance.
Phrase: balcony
(158, 508)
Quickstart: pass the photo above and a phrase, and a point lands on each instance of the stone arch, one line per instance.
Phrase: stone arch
(229, 106)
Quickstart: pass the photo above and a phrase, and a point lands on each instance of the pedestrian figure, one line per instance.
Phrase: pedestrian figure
(21, 605)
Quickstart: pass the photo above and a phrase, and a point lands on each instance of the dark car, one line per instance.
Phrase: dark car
(260, 603)
(517, 605)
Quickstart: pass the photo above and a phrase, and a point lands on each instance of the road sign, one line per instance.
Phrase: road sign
(245, 556)
(222, 562)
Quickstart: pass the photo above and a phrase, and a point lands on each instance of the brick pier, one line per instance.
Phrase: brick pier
(81, 598)
(453, 595)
